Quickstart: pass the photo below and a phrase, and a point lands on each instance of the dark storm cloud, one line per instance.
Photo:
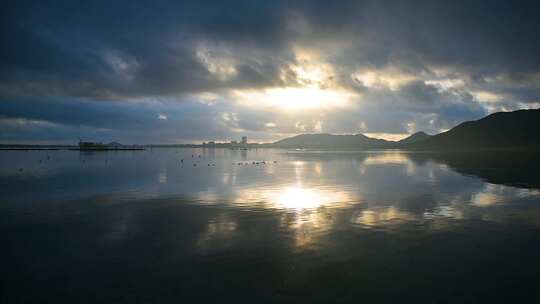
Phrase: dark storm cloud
(415, 107)
(63, 43)
(102, 49)
(78, 112)
(82, 63)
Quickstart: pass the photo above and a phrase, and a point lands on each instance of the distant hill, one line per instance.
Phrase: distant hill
(416, 137)
(331, 141)
(502, 130)
(325, 140)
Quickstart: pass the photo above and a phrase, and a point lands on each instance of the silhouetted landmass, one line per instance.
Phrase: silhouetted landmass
(331, 141)
(346, 141)
(416, 137)
(502, 130)
(498, 131)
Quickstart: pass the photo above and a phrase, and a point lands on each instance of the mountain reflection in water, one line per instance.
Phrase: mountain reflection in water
(310, 226)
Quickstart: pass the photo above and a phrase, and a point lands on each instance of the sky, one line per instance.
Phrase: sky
(191, 71)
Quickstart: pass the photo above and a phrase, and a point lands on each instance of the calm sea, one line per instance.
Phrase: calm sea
(268, 225)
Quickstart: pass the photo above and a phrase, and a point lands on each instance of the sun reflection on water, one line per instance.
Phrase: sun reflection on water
(298, 198)
(292, 197)
(307, 212)
(311, 199)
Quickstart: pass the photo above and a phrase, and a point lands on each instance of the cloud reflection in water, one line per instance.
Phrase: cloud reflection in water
(316, 193)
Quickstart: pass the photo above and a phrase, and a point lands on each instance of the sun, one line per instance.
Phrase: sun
(295, 98)
(312, 86)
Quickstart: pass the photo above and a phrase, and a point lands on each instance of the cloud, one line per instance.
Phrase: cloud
(117, 66)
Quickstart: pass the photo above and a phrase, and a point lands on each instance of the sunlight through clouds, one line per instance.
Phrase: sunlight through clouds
(308, 84)
(389, 78)
(290, 99)
(301, 70)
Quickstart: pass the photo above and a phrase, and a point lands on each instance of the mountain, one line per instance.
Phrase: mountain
(502, 130)
(416, 137)
(331, 141)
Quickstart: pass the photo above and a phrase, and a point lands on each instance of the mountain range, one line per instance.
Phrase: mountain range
(501, 130)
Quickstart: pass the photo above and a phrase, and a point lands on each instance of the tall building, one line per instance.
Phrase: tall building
(244, 140)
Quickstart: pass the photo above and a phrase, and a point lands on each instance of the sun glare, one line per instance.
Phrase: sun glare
(294, 197)
(295, 98)
(300, 198)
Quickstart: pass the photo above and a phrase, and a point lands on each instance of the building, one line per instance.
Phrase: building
(244, 140)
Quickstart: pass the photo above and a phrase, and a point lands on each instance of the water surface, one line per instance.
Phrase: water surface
(268, 226)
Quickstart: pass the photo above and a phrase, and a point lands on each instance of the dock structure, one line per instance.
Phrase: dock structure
(113, 146)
